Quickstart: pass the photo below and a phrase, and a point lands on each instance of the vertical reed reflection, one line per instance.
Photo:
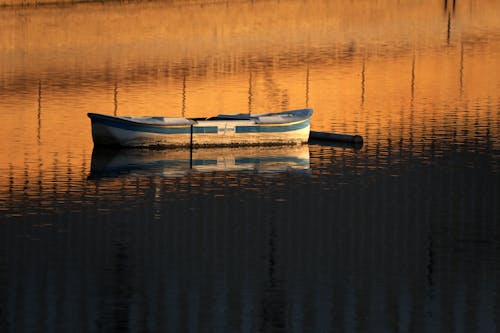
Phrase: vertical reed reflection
(115, 99)
(39, 112)
(448, 30)
(250, 93)
(363, 80)
(307, 85)
(400, 235)
(412, 85)
(461, 71)
(183, 111)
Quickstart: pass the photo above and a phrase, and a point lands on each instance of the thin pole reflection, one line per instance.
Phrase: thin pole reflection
(11, 186)
(412, 106)
(307, 85)
(453, 6)
(39, 113)
(250, 93)
(115, 98)
(363, 80)
(449, 29)
(184, 95)
(461, 68)
(413, 78)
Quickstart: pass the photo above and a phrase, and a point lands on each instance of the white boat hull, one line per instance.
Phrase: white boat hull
(108, 130)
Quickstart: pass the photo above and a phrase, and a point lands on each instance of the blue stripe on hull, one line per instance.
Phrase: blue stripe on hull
(156, 129)
(205, 129)
(131, 126)
(272, 128)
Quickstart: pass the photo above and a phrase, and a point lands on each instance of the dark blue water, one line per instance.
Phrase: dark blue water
(358, 243)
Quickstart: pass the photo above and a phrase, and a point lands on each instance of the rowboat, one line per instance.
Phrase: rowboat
(288, 127)
(176, 162)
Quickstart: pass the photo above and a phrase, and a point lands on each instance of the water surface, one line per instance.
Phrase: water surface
(400, 235)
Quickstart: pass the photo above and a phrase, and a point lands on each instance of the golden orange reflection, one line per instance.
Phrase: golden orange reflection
(383, 70)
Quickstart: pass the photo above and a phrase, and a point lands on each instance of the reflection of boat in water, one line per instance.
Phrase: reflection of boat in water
(177, 162)
(288, 127)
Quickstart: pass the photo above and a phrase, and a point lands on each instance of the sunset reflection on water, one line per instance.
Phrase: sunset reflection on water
(329, 237)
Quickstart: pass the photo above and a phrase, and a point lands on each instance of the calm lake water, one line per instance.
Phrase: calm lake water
(400, 235)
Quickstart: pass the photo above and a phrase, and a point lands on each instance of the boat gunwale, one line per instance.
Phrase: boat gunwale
(207, 121)
(100, 116)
